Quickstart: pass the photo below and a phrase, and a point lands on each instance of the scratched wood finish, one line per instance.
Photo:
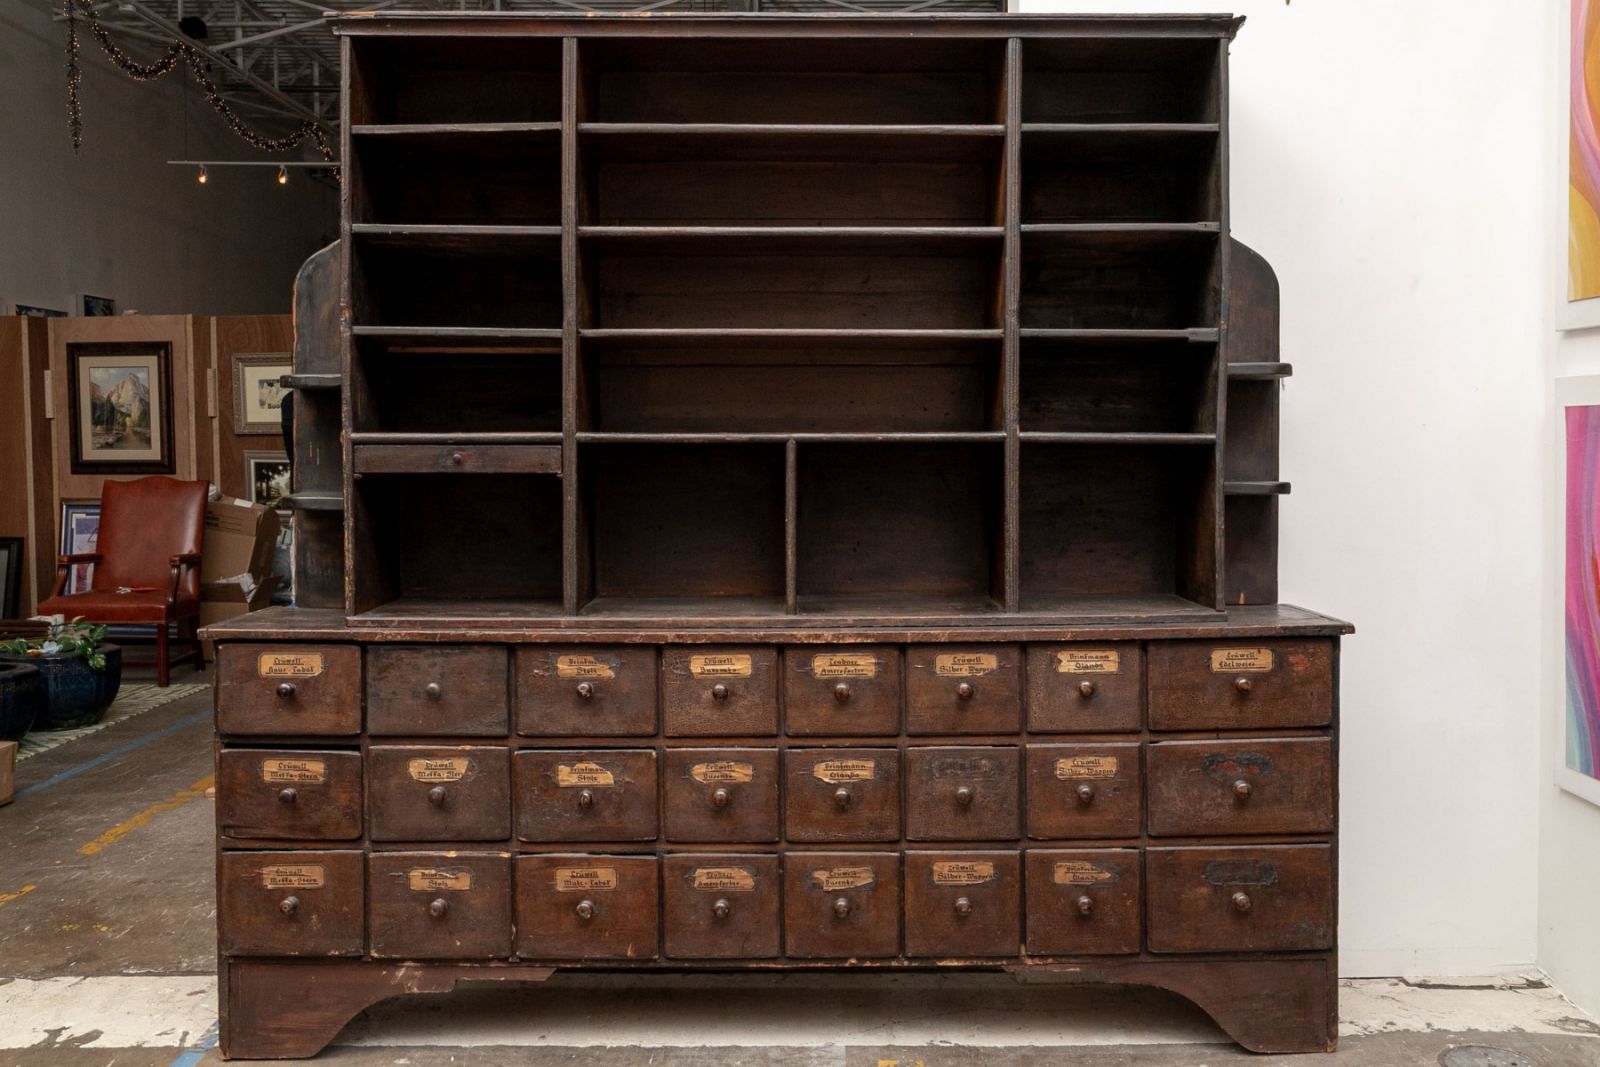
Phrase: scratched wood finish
(1084, 790)
(1083, 901)
(1255, 899)
(599, 795)
(587, 907)
(421, 690)
(720, 691)
(439, 905)
(574, 692)
(289, 794)
(292, 903)
(843, 691)
(963, 689)
(438, 793)
(841, 905)
(842, 794)
(1243, 786)
(1199, 685)
(720, 906)
(963, 904)
(1080, 689)
(289, 689)
(720, 794)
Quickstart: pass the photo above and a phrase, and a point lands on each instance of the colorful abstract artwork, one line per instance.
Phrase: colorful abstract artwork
(1582, 588)
(1583, 159)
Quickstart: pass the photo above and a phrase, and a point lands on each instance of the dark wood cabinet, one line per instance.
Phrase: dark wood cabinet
(783, 492)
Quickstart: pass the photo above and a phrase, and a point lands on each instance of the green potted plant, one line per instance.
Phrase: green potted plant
(80, 671)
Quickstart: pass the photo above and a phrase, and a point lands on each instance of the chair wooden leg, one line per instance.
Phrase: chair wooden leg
(163, 665)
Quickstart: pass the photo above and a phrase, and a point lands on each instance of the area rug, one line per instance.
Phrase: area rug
(131, 700)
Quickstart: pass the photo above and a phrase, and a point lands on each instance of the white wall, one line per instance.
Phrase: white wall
(1387, 159)
(115, 220)
(1569, 828)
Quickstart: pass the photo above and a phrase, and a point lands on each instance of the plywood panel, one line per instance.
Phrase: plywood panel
(236, 334)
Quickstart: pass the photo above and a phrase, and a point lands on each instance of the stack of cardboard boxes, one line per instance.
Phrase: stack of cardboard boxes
(236, 565)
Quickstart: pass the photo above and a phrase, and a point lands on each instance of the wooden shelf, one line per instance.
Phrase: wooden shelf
(313, 502)
(769, 142)
(438, 335)
(430, 131)
(1264, 488)
(1130, 232)
(466, 438)
(779, 437)
(695, 337)
(791, 240)
(308, 382)
(1255, 372)
(1195, 335)
(1051, 438)
(453, 235)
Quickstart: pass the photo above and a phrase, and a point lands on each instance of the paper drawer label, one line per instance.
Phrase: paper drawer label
(584, 667)
(439, 770)
(1073, 768)
(963, 872)
(724, 665)
(299, 771)
(722, 772)
(844, 665)
(1089, 661)
(585, 879)
(1233, 660)
(840, 771)
(1080, 872)
(725, 879)
(293, 876)
(964, 664)
(570, 775)
(433, 880)
(1221, 873)
(281, 665)
(833, 879)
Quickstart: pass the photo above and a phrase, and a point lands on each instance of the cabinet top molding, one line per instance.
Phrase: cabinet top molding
(762, 24)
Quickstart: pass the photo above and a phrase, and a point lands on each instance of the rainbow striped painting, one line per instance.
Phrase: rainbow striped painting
(1583, 590)
(1583, 159)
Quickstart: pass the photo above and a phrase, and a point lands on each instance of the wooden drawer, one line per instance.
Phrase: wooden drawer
(439, 793)
(288, 689)
(720, 906)
(440, 905)
(842, 794)
(962, 904)
(291, 904)
(309, 795)
(457, 459)
(428, 690)
(843, 691)
(963, 689)
(586, 796)
(841, 905)
(1240, 684)
(1241, 787)
(1084, 790)
(587, 907)
(571, 691)
(1261, 899)
(961, 794)
(721, 794)
(1085, 688)
(720, 692)
(1082, 903)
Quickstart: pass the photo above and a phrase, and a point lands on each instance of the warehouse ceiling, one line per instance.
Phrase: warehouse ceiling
(277, 61)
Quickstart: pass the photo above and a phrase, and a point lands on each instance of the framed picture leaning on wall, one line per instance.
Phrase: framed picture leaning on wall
(257, 396)
(119, 407)
(1577, 762)
(266, 478)
(80, 532)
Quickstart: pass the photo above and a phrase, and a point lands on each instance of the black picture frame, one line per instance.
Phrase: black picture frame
(11, 554)
(159, 355)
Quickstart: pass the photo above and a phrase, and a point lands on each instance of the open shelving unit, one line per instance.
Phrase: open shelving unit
(669, 326)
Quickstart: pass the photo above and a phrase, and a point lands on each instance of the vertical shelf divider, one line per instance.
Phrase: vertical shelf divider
(575, 568)
(1220, 379)
(347, 81)
(791, 527)
(1010, 357)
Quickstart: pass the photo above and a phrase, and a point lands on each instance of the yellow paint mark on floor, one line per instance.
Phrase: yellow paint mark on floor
(6, 898)
(123, 829)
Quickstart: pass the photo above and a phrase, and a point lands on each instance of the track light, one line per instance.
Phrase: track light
(283, 175)
(202, 177)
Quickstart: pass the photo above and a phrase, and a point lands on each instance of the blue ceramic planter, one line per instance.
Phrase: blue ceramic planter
(22, 700)
(75, 695)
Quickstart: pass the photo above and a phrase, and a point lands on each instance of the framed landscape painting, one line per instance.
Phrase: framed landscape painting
(1578, 490)
(119, 408)
(257, 394)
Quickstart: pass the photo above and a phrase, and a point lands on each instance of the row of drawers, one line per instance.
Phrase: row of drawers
(804, 905)
(704, 691)
(757, 795)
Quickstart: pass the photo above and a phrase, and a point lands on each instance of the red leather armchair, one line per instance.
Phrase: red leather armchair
(147, 569)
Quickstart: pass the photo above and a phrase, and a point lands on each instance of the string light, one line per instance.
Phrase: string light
(199, 67)
(283, 175)
(202, 177)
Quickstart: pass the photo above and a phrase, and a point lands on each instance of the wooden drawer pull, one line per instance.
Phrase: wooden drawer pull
(585, 690)
(287, 796)
(289, 905)
(1241, 902)
(1087, 689)
(585, 799)
(437, 796)
(457, 459)
(966, 690)
(432, 691)
(719, 692)
(841, 692)
(1242, 790)
(1085, 905)
(841, 908)
(963, 907)
(584, 910)
(1085, 793)
(1243, 685)
(841, 797)
(722, 909)
(285, 690)
(964, 796)
(439, 908)
(720, 797)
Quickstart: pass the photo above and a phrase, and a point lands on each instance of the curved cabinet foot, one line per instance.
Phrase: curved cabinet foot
(291, 1009)
(1264, 1005)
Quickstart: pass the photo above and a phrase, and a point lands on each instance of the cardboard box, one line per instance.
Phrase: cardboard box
(240, 537)
(8, 770)
(224, 600)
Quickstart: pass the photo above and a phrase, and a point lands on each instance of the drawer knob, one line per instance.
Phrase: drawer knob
(719, 692)
(841, 692)
(585, 690)
(964, 796)
(841, 908)
(457, 459)
(966, 691)
(1087, 689)
(841, 797)
(287, 796)
(1242, 790)
(722, 909)
(436, 796)
(720, 797)
(289, 905)
(285, 690)
(439, 908)
(1085, 905)
(584, 910)
(1241, 901)
(433, 691)
(585, 799)
(1085, 793)
(963, 907)
(1242, 684)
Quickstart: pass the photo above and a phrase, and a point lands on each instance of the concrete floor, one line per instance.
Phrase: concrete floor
(107, 956)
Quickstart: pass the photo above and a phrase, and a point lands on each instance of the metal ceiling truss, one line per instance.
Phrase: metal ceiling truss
(277, 61)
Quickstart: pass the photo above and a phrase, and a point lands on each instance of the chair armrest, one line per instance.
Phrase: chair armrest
(179, 562)
(77, 557)
(185, 557)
